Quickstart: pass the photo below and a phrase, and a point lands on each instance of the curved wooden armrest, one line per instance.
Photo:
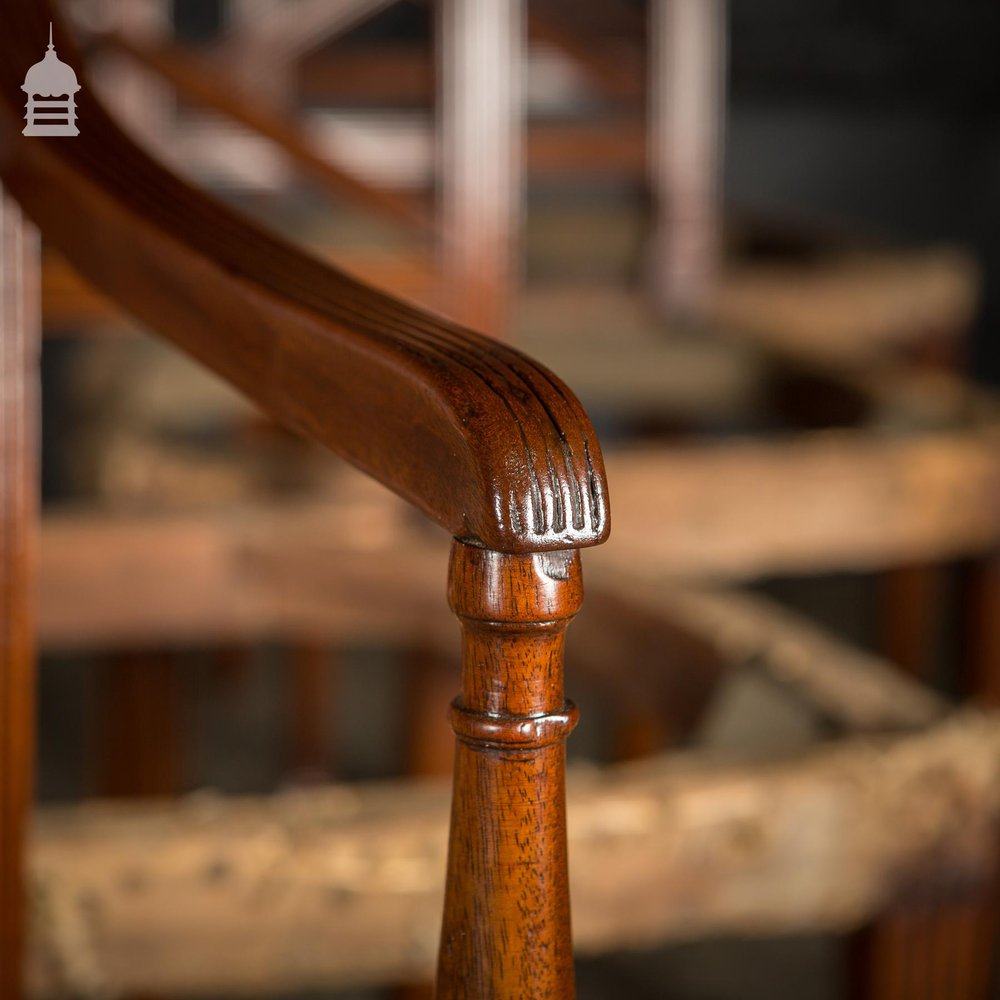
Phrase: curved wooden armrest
(481, 438)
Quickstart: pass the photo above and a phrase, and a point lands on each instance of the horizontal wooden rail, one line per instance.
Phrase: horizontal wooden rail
(318, 572)
(478, 436)
(339, 886)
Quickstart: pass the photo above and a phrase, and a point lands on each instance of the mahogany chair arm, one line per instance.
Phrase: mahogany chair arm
(194, 79)
(484, 440)
(481, 438)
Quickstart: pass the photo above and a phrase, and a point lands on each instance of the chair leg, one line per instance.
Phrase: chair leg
(942, 950)
(506, 929)
(19, 357)
(138, 731)
(936, 951)
(911, 599)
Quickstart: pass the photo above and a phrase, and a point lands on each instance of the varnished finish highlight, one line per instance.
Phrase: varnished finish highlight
(20, 343)
(506, 930)
(512, 732)
(478, 436)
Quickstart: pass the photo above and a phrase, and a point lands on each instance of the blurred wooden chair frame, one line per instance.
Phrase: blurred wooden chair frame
(973, 536)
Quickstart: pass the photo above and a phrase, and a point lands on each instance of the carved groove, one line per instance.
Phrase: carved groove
(510, 438)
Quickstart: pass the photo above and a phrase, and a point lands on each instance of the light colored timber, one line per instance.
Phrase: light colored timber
(281, 572)
(837, 501)
(842, 500)
(246, 574)
(337, 886)
(848, 307)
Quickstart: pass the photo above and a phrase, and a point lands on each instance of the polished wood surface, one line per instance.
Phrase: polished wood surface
(20, 345)
(478, 436)
(475, 434)
(506, 928)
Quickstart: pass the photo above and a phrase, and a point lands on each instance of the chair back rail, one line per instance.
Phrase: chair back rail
(481, 438)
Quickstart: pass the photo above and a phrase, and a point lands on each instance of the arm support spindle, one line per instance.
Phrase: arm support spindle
(506, 929)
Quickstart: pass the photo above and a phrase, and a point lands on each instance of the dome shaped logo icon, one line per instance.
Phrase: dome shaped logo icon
(51, 87)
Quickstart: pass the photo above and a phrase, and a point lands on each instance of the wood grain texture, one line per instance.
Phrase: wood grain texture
(506, 927)
(475, 434)
(20, 344)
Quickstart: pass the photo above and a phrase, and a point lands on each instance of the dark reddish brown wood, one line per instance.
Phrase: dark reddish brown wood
(138, 730)
(475, 434)
(981, 603)
(430, 687)
(398, 74)
(910, 600)
(137, 734)
(20, 340)
(957, 957)
(933, 950)
(585, 148)
(506, 929)
(310, 687)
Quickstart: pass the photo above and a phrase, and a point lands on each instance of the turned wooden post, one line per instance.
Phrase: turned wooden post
(19, 356)
(506, 928)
